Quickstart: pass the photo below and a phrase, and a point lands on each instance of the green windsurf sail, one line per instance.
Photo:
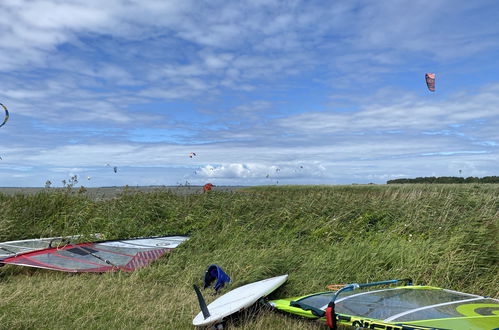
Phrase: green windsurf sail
(404, 307)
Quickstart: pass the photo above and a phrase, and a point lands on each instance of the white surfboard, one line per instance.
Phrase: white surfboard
(238, 299)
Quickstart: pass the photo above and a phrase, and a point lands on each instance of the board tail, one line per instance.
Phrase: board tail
(202, 303)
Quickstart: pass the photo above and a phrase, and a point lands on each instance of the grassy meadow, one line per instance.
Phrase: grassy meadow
(441, 235)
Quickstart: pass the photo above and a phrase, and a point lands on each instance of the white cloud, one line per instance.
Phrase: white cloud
(234, 171)
(250, 171)
(401, 114)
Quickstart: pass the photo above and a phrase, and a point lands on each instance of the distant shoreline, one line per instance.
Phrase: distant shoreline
(109, 192)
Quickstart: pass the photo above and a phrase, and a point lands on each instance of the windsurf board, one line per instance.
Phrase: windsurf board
(238, 299)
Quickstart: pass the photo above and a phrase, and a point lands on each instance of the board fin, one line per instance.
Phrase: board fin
(202, 303)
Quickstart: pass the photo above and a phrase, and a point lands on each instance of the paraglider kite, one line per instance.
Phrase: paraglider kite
(192, 154)
(430, 81)
(6, 114)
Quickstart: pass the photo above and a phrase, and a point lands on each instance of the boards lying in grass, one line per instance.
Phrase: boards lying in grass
(125, 255)
(406, 307)
(235, 300)
(13, 248)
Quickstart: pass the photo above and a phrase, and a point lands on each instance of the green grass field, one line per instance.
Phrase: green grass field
(441, 235)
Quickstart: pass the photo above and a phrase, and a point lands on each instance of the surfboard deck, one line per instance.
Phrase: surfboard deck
(238, 299)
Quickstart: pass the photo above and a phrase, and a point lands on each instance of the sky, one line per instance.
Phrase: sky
(263, 92)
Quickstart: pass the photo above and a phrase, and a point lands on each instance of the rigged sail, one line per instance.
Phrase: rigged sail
(406, 307)
(13, 248)
(125, 255)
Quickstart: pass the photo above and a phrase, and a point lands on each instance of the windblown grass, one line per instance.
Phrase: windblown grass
(442, 235)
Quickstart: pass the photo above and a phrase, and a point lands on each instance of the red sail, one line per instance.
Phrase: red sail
(125, 255)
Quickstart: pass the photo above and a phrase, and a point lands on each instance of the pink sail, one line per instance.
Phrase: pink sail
(124, 255)
(430, 81)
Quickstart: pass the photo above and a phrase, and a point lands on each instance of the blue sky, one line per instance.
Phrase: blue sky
(294, 92)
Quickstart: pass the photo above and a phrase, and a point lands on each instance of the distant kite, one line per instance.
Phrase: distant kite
(192, 154)
(115, 168)
(207, 187)
(6, 114)
(430, 81)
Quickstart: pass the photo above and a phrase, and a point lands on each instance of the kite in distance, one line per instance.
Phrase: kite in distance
(6, 115)
(430, 81)
(192, 154)
(115, 168)
(207, 187)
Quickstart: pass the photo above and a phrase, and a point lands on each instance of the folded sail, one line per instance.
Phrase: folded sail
(125, 255)
(13, 248)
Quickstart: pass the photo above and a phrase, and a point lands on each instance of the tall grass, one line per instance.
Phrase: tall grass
(442, 235)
